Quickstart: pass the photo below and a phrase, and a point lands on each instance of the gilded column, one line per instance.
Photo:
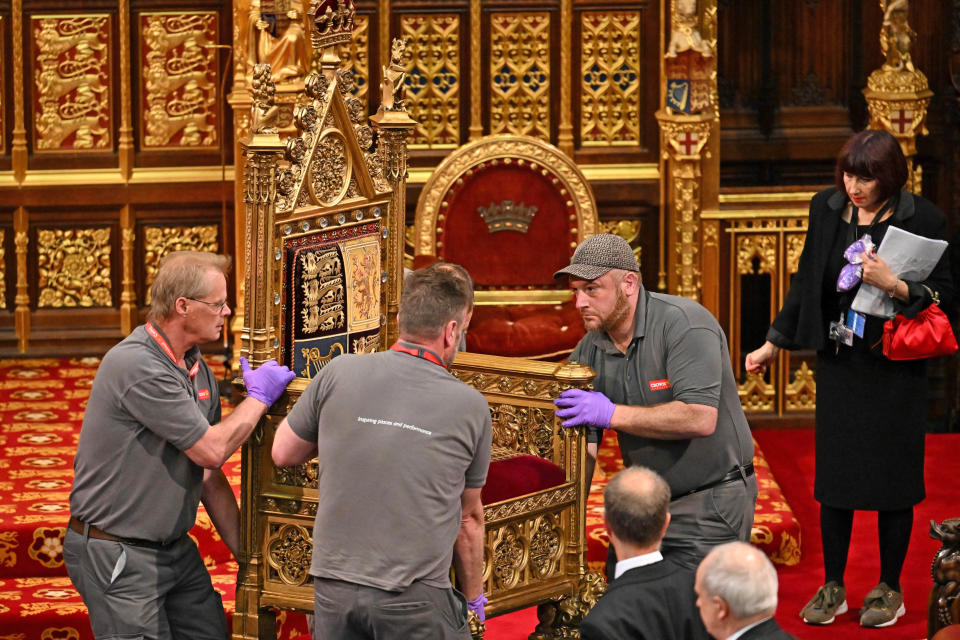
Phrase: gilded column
(898, 93)
(476, 71)
(19, 143)
(128, 295)
(384, 16)
(688, 126)
(565, 134)
(125, 140)
(263, 154)
(394, 126)
(21, 226)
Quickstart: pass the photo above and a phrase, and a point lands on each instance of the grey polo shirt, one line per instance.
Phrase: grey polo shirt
(398, 440)
(131, 477)
(678, 352)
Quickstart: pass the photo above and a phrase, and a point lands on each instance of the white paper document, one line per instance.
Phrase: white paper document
(910, 257)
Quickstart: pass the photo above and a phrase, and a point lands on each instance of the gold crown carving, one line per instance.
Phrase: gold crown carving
(507, 216)
(331, 27)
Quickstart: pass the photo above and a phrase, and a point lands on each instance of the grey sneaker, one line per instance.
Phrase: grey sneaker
(824, 608)
(881, 607)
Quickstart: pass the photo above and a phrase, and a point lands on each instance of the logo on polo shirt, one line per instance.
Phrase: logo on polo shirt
(203, 394)
(659, 385)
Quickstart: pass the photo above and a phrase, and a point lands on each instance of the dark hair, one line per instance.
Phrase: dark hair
(877, 155)
(635, 504)
(432, 297)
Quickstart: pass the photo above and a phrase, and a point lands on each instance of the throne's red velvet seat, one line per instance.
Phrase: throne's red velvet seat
(511, 210)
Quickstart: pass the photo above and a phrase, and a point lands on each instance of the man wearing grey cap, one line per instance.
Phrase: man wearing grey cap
(665, 385)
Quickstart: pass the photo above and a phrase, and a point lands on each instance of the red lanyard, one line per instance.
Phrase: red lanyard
(418, 352)
(167, 350)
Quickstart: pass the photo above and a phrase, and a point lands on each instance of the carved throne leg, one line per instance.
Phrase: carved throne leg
(477, 628)
(561, 618)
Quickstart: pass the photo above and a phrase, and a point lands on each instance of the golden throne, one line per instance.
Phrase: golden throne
(324, 213)
(511, 210)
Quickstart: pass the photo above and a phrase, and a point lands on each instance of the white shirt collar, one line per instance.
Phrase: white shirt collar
(737, 634)
(636, 561)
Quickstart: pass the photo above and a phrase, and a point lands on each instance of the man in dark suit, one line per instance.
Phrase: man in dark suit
(649, 597)
(737, 594)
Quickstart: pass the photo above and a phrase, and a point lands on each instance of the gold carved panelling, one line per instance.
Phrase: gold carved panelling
(159, 241)
(610, 78)
(509, 555)
(528, 430)
(801, 393)
(546, 545)
(756, 395)
(355, 56)
(179, 83)
(289, 549)
(794, 249)
(3, 272)
(72, 82)
(762, 247)
(433, 78)
(520, 74)
(74, 267)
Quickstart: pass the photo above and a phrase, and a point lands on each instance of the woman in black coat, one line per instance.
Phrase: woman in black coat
(870, 410)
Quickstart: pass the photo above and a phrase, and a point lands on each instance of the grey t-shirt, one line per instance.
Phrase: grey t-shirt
(678, 352)
(398, 439)
(131, 477)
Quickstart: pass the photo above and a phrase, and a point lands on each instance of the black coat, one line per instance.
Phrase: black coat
(653, 602)
(870, 410)
(800, 323)
(767, 630)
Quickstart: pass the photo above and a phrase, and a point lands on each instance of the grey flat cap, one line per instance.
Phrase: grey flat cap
(599, 254)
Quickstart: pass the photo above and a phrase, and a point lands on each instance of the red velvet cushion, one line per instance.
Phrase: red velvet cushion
(525, 331)
(519, 475)
(508, 258)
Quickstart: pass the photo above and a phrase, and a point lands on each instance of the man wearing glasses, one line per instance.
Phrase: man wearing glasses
(150, 450)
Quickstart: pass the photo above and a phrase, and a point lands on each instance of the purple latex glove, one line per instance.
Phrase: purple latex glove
(852, 254)
(849, 276)
(267, 382)
(476, 605)
(590, 408)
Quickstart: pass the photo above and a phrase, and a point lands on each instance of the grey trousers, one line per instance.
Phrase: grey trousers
(348, 611)
(136, 592)
(703, 520)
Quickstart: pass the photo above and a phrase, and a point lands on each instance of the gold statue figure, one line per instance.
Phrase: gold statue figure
(285, 54)
(684, 35)
(896, 37)
(265, 112)
(391, 87)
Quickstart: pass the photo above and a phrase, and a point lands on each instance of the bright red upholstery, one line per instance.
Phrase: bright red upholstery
(507, 259)
(525, 330)
(512, 475)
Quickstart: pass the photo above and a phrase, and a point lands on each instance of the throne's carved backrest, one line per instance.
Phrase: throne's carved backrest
(319, 245)
(510, 209)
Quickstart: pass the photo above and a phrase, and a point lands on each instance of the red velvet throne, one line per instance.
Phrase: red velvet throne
(511, 210)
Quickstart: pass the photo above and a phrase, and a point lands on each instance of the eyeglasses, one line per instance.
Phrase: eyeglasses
(216, 306)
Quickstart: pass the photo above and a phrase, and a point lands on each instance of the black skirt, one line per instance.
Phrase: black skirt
(870, 430)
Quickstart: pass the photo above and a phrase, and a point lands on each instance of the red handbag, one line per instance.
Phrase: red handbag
(926, 335)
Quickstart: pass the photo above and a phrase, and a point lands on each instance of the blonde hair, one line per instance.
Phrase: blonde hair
(182, 274)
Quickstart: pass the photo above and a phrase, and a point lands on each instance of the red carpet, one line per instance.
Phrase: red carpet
(790, 454)
(42, 403)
